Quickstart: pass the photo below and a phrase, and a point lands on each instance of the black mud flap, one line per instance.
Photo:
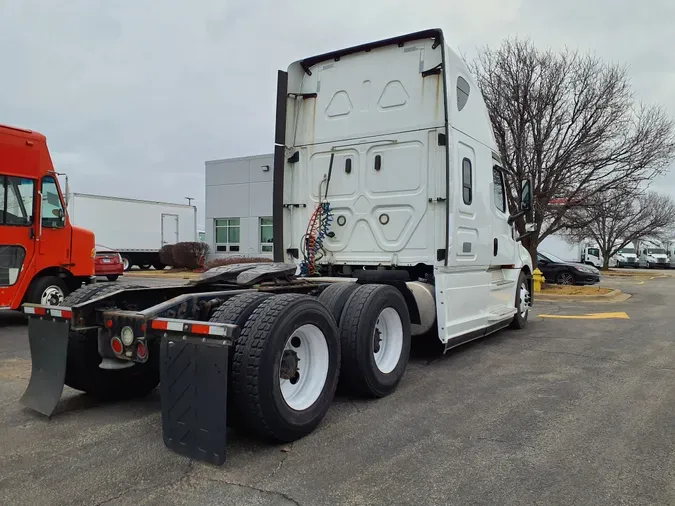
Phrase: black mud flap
(193, 386)
(48, 340)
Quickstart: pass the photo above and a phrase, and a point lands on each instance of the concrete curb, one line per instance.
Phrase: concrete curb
(613, 296)
(640, 274)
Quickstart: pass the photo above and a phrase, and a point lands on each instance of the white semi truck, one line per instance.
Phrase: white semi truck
(652, 254)
(390, 222)
(625, 257)
(585, 252)
(136, 229)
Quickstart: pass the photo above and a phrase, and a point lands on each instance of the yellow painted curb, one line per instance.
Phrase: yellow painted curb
(614, 296)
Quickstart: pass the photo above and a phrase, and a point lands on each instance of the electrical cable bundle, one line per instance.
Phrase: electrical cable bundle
(312, 242)
(318, 227)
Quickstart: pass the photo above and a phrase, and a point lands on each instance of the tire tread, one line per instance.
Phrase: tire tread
(247, 363)
(353, 377)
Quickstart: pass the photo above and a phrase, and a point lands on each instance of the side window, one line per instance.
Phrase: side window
(467, 186)
(463, 91)
(16, 201)
(53, 215)
(499, 190)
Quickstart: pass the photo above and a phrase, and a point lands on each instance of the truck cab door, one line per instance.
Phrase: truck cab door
(17, 236)
(55, 235)
(503, 243)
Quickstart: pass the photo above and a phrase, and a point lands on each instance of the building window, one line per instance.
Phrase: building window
(467, 187)
(499, 190)
(463, 90)
(227, 234)
(266, 235)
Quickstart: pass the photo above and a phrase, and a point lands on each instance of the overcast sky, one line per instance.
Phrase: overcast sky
(134, 96)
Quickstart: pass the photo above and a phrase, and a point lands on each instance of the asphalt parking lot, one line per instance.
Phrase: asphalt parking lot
(568, 411)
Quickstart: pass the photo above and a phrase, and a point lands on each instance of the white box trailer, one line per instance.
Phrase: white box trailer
(571, 251)
(136, 229)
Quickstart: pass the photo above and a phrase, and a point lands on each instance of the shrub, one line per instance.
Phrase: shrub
(218, 262)
(189, 255)
(166, 255)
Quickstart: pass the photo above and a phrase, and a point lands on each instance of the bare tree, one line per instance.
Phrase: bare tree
(570, 123)
(617, 218)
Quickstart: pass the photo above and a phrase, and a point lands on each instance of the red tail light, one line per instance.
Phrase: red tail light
(141, 350)
(117, 345)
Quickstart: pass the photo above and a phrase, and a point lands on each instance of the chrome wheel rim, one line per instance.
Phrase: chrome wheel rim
(525, 300)
(566, 278)
(52, 296)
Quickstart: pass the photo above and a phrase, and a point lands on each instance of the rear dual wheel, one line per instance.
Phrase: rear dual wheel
(375, 339)
(285, 368)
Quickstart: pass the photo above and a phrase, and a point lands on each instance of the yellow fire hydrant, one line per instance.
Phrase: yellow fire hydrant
(538, 278)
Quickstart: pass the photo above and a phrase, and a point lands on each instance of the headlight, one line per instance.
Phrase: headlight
(588, 270)
(127, 336)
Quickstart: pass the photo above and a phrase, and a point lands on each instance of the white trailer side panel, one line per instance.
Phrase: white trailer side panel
(558, 246)
(132, 225)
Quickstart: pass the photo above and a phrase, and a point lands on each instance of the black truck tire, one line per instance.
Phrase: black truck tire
(522, 307)
(375, 320)
(335, 296)
(82, 366)
(128, 264)
(236, 311)
(52, 286)
(293, 336)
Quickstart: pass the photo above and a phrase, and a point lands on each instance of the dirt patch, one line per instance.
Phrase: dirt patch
(574, 290)
(169, 274)
(15, 369)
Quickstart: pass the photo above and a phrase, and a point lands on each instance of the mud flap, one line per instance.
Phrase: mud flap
(48, 340)
(193, 387)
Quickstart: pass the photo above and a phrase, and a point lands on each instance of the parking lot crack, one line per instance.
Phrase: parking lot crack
(287, 451)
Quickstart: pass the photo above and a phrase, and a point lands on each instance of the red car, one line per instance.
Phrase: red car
(108, 263)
